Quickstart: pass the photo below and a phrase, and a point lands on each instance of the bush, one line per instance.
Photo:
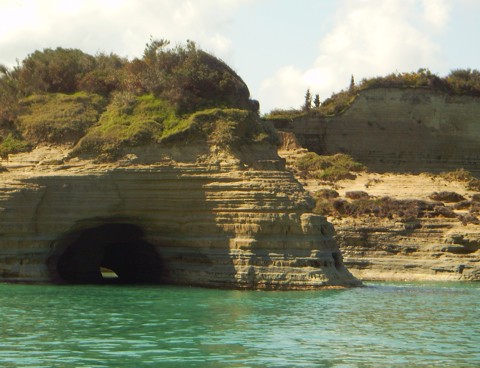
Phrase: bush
(326, 193)
(462, 205)
(12, 144)
(328, 168)
(446, 197)
(444, 211)
(188, 78)
(54, 71)
(357, 194)
(463, 176)
(225, 127)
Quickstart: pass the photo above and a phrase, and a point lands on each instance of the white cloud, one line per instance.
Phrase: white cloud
(121, 26)
(436, 12)
(368, 38)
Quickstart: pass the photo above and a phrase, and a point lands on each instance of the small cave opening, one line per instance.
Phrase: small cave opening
(112, 253)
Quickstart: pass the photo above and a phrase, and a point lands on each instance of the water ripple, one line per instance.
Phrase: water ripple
(385, 324)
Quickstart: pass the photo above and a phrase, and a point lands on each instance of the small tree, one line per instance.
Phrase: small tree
(316, 101)
(308, 101)
(352, 85)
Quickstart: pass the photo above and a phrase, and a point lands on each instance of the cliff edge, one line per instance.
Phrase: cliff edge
(398, 130)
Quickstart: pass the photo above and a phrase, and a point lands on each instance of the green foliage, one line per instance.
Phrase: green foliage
(337, 103)
(189, 78)
(280, 114)
(12, 144)
(106, 77)
(107, 102)
(459, 82)
(57, 117)
(129, 121)
(226, 127)
(308, 101)
(421, 78)
(138, 120)
(464, 81)
(53, 71)
(185, 76)
(328, 168)
(8, 95)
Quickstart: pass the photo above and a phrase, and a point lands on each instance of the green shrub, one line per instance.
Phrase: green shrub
(54, 71)
(224, 127)
(188, 78)
(12, 144)
(328, 168)
(280, 114)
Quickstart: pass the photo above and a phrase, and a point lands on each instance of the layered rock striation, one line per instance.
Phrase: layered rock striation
(399, 129)
(435, 249)
(187, 214)
(398, 227)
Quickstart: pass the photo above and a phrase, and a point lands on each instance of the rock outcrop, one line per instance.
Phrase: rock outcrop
(399, 130)
(443, 243)
(434, 249)
(177, 214)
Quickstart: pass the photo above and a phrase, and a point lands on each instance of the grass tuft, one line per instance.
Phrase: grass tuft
(58, 117)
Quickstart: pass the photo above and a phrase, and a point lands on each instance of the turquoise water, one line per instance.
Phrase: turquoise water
(382, 325)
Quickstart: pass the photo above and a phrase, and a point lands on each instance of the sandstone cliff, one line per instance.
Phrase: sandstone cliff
(441, 242)
(399, 129)
(156, 169)
(187, 214)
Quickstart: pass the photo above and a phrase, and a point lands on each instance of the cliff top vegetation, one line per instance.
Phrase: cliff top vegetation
(458, 82)
(103, 102)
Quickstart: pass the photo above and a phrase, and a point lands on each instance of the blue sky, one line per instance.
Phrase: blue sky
(279, 47)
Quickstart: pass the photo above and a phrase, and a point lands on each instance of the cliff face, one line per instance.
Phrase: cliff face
(441, 243)
(427, 249)
(399, 129)
(176, 214)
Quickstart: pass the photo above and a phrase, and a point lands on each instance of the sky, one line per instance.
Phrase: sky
(279, 47)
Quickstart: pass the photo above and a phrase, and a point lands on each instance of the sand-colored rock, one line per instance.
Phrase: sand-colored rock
(432, 248)
(199, 215)
(399, 129)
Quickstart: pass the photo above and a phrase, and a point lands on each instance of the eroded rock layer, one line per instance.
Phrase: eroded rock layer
(180, 215)
(435, 249)
(399, 129)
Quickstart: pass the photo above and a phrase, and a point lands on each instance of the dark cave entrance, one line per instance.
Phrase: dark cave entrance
(104, 254)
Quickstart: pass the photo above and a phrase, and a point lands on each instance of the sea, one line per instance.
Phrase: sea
(378, 325)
